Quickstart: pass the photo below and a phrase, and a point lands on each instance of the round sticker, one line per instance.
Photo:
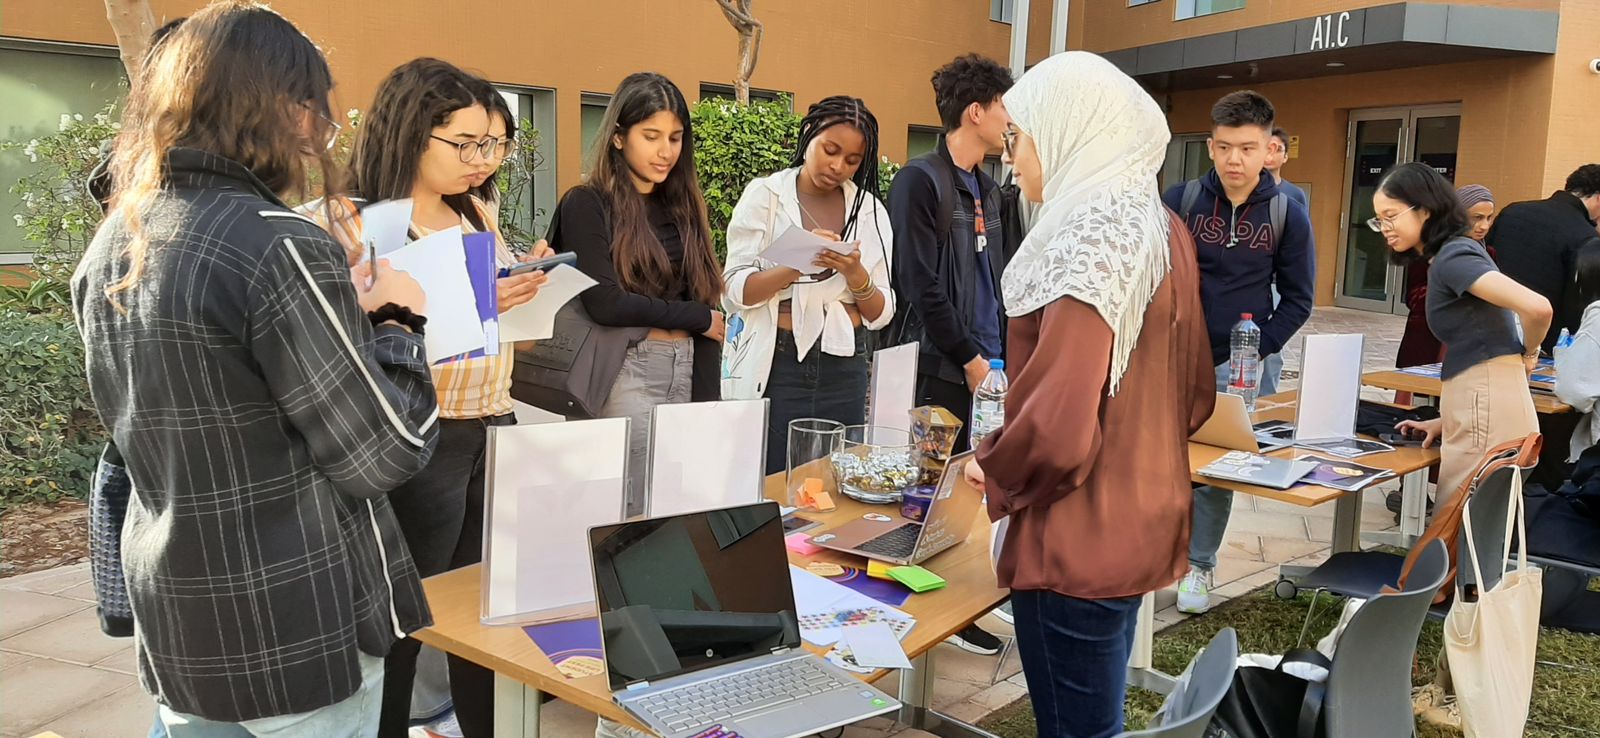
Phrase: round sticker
(824, 538)
(824, 569)
(876, 517)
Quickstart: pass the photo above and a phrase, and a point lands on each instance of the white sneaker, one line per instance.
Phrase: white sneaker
(1004, 613)
(1194, 594)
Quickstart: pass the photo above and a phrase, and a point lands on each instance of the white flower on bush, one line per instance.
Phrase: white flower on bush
(78, 117)
(21, 221)
(66, 120)
(32, 150)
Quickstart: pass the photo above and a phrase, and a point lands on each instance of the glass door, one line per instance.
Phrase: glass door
(1378, 140)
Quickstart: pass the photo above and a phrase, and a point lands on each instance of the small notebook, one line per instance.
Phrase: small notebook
(1242, 466)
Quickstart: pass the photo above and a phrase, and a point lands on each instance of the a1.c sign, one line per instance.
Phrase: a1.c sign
(1330, 32)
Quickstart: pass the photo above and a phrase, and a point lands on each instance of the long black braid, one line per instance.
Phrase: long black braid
(845, 110)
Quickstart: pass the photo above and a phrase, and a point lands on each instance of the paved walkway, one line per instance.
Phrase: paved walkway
(58, 672)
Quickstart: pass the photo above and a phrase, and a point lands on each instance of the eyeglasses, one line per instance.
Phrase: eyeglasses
(1010, 140)
(1379, 224)
(334, 127)
(491, 148)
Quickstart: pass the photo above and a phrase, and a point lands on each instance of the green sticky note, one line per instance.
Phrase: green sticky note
(917, 578)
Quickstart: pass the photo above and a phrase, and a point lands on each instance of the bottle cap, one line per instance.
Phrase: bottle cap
(1247, 316)
(997, 363)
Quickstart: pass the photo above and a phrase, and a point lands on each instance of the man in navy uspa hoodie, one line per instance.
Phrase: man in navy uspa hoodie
(1241, 256)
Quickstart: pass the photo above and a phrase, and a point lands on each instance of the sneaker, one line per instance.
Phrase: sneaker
(1004, 613)
(1194, 594)
(444, 727)
(976, 640)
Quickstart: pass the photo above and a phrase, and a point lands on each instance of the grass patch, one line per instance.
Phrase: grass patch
(1566, 682)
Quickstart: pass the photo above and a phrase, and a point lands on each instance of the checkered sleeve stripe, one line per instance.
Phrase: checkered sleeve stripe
(369, 425)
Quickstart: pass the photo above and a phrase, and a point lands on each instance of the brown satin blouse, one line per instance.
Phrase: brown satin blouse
(1097, 486)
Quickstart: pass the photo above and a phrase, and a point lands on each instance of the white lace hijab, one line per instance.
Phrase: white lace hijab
(1100, 236)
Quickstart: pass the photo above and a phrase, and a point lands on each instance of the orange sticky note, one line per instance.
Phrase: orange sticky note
(822, 501)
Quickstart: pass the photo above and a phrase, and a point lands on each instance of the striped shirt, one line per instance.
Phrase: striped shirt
(468, 388)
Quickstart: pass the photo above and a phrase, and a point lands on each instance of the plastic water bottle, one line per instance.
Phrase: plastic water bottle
(1244, 366)
(1565, 339)
(989, 402)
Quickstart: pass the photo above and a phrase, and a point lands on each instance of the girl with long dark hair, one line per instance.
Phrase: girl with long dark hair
(800, 339)
(264, 397)
(427, 137)
(639, 228)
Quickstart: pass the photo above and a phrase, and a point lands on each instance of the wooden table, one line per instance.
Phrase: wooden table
(1544, 402)
(523, 675)
(1410, 464)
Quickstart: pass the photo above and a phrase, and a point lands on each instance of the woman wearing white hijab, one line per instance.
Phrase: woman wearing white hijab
(1110, 372)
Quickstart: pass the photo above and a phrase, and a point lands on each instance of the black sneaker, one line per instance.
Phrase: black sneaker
(1395, 499)
(976, 640)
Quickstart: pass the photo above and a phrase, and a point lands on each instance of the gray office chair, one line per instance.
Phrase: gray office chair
(1369, 686)
(1197, 700)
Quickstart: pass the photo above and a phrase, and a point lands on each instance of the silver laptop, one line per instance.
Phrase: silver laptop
(1229, 427)
(951, 515)
(701, 635)
(1262, 471)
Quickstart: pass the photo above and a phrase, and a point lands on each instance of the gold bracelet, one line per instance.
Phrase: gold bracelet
(864, 285)
(865, 292)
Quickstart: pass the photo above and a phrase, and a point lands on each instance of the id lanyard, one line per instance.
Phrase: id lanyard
(978, 223)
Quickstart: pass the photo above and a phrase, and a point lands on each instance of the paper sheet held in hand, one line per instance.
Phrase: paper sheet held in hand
(797, 249)
(535, 320)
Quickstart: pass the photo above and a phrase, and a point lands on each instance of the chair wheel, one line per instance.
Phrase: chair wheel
(1285, 590)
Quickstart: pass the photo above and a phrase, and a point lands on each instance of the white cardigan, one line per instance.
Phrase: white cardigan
(769, 206)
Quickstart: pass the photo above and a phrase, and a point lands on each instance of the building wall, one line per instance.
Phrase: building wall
(884, 52)
(1572, 139)
(1505, 121)
(1115, 26)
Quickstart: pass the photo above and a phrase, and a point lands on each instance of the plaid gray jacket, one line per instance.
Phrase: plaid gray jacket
(262, 419)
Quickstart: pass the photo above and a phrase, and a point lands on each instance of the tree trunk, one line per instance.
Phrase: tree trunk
(132, 23)
(738, 14)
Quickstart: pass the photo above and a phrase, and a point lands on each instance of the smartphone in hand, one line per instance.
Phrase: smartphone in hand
(540, 265)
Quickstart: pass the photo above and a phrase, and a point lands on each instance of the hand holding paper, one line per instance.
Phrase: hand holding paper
(797, 249)
(536, 319)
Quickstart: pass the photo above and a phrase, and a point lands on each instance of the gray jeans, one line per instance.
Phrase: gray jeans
(1213, 506)
(653, 373)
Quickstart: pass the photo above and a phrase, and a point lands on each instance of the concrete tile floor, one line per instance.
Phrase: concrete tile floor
(58, 672)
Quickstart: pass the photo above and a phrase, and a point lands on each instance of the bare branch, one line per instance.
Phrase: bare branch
(750, 30)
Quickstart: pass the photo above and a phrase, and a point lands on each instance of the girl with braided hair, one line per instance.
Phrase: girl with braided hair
(799, 338)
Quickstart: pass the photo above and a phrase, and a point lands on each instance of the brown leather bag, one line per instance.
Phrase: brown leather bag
(1446, 525)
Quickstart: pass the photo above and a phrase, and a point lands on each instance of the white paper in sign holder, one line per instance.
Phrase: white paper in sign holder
(707, 456)
(546, 486)
(1330, 388)
(892, 391)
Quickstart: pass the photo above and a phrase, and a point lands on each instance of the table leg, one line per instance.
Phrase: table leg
(1347, 523)
(1141, 668)
(1413, 513)
(516, 709)
(916, 698)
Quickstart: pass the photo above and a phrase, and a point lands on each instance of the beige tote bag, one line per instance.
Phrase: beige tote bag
(1490, 643)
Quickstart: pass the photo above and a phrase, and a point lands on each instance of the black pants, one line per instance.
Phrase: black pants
(441, 515)
(822, 386)
(953, 397)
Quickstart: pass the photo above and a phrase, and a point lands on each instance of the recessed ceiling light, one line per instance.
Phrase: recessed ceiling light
(1335, 65)
(1224, 76)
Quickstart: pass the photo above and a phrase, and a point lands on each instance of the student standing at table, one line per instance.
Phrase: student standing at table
(1472, 308)
(1418, 346)
(801, 340)
(1578, 363)
(426, 137)
(639, 228)
(1092, 464)
(264, 565)
(1254, 243)
(1536, 243)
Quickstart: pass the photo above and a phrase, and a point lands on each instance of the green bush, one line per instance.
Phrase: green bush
(50, 437)
(736, 143)
(58, 215)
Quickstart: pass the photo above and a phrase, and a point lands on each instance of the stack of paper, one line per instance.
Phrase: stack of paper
(439, 264)
(825, 607)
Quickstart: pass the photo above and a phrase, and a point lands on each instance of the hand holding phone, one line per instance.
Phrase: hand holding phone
(540, 265)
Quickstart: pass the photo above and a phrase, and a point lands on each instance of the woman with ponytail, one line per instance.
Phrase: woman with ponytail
(799, 338)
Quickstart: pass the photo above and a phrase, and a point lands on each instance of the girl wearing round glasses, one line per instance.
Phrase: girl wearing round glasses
(799, 337)
(428, 136)
(1473, 309)
(1419, 346)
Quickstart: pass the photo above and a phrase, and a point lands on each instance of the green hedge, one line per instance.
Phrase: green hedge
(50, 437)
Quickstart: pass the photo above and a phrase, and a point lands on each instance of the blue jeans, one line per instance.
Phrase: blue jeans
(1212, 506)
(354, 717)
(1075, 658)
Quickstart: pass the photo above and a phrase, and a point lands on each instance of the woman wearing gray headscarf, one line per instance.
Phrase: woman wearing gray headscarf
(1110, 372)
(1419, 346)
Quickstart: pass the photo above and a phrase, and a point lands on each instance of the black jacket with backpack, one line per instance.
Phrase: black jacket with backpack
(935, 260)
(1242, 252)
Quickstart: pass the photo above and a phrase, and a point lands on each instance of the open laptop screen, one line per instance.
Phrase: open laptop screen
(692, 591)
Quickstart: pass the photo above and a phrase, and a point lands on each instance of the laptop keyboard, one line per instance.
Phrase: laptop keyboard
(898, 543)
(729, 697)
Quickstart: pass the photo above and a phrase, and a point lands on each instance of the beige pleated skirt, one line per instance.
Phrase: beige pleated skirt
(1482, 407)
